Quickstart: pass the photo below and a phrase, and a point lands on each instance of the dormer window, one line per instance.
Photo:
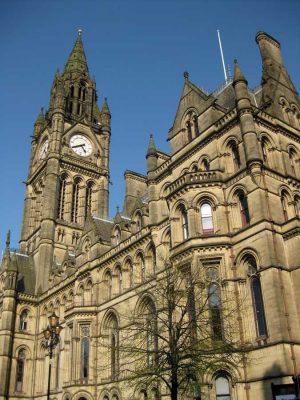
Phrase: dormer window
(191, 125)
(117, 236)
(139, 221)
(235, 154)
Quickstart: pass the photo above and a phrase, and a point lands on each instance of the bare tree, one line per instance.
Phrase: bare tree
(181, 329)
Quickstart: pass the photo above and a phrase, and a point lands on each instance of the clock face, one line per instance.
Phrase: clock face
(81, 145)
(44, 149)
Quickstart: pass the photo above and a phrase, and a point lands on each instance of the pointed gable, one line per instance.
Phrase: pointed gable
(194, 102)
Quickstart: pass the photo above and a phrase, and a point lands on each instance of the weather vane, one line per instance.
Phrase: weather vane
(79, 32)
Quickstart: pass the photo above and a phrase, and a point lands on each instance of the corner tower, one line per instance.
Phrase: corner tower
(69, 167)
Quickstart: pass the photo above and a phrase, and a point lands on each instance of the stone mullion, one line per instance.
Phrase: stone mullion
(191, 215)
(81, 205)
(68, 202)
(94, 201)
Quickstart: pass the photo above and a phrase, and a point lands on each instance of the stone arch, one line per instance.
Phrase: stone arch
(127, 268)
(286, 197)
(190, 123)
(140, 265)
(267, 146)
(88, 291)
(144, 302)
(67, 396)
(117, 278)
(107, 280)
(204, 162)
(194, 167)
(104, 395)
(243, 254)
(110, 327)
(293, 158)
(150, 259)
(232, 150)
(25, 348)
(82, 395)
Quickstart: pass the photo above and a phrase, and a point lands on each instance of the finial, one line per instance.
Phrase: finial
(79, 32)
(186, 75)
(235, 61)
(117, 209)
(8, 239)
(42, 110)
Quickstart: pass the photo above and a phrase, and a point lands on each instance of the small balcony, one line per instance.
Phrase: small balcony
(194, 178)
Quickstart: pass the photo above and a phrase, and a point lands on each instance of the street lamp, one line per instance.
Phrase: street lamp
(51, 335)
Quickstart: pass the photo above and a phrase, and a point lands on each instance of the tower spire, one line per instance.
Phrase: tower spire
(77, 63)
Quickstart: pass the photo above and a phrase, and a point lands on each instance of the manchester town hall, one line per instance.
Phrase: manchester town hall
(89, 307)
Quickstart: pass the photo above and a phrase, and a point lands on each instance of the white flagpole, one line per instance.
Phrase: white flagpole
(221, 50)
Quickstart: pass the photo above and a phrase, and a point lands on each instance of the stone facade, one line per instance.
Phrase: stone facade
(227, 197)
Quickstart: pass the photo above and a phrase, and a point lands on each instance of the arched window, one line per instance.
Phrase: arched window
(244, 210)
(141, 264)
(119, 280)
(235, 154)
(214, 301)
(257, 298)
(152, 254)
(196, 126)
(189, 131)
(284, 205)
(129, 273)
(292, 158)
(206, 218)
(184, 223)
(112, 327)
(113, 345)
(149, 320)
(222, 387)
(61, 199)
(205, 165)
(195, 168)
(108, 281)
(75, 201)
(20, 370)
(24, 321)
(85, 353)
(88, 198)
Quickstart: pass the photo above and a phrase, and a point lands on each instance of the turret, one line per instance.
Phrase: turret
(105, 116)
(8, 317)
(245, 113)
(279, 96)
(39, 123)
(151, 155)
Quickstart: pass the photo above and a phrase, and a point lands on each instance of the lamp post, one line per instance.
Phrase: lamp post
(51, 335)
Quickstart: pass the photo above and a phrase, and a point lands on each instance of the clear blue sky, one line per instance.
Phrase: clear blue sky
(138, 51)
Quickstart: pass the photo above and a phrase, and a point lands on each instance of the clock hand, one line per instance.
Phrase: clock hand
(78, 145)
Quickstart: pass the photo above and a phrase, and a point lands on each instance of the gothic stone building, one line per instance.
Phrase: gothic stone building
(227, 197)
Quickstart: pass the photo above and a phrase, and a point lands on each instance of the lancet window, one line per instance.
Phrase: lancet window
(244, 210)
(20, 370)
(75, 201)
(206, 218)
(85, 353)
(257, 297)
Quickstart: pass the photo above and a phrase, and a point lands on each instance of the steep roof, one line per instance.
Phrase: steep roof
(77, 63)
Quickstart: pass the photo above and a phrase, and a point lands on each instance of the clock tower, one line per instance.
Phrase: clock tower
(69, 167)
